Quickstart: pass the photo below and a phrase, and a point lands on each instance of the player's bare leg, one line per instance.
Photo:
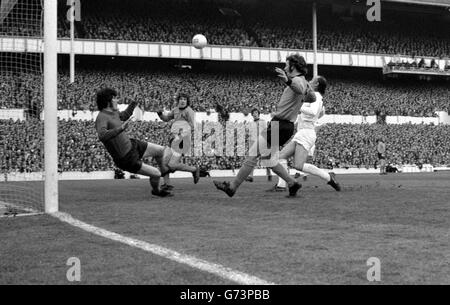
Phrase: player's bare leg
(248, 166)
(282, 183)
(175, 164)
(301, 155)
(282, 171)
(171, 162)
(269, 174)
(154, 151)
(155, 177)
(287, 152)
(250, 177)
(246, 169)
(167, 185)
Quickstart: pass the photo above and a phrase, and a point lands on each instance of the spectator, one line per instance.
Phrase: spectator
(337, 146)
(234, 92)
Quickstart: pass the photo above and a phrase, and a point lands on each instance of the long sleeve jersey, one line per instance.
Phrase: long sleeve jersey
(110, 132)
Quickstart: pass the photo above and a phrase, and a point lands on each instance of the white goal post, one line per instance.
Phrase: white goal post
(50, 105)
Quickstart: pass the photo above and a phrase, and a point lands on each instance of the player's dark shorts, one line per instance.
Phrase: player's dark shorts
(132, 161)
(286, 131)
(381, 156)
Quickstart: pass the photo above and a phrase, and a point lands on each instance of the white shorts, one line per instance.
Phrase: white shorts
(306, 138)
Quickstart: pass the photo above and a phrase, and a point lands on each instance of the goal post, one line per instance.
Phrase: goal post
(22, 141)
(50, 106)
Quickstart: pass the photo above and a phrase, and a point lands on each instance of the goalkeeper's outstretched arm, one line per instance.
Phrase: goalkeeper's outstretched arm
(125, 115)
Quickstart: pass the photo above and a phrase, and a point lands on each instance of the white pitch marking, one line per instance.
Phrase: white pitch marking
(29, 211)
(216, 269)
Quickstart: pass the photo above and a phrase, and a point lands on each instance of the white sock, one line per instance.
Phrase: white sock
(281, 182)
(314, 170)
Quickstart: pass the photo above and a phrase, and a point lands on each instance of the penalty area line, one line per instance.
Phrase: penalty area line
(191, 261)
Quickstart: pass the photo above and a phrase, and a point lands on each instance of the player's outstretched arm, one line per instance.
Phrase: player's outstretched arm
(297, 84)
(127, 113)
(191, 117)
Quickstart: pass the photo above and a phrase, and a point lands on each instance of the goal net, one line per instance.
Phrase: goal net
(21, 106)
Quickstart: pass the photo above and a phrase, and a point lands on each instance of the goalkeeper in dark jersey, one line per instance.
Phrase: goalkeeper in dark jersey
(128, 154)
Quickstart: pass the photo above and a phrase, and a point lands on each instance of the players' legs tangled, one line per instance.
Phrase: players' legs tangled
(154, 151)
(149, 171)
(287, 152)
(175, 164)
(170, 162)
(281, 167)
(153, 173)
(167, 185)
(301, 155)
(155, 177)
(271, 160)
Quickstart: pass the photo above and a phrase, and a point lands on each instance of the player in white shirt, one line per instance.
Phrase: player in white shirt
(281, 186)
(304, 141)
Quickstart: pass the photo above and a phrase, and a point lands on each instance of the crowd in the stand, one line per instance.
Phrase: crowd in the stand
(173, 22)
(235, 92)
(354, 145)
(275, 24)
(419, 65)
(21, 146)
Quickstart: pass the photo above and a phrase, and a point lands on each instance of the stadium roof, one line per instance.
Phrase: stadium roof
(423, 2)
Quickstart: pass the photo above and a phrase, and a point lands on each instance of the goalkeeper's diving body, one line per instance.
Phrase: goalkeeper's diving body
(128, 154)
(297, 92)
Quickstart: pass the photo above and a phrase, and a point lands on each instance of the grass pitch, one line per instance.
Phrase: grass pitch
(321, 237)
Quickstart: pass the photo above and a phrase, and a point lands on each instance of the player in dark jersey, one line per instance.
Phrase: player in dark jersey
(128, 154)
(296, 92)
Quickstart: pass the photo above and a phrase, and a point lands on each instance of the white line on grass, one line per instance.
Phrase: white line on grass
(29, 211)
(20, 215)
(216, 269)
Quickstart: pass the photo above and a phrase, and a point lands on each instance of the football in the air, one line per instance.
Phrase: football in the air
(199, 41)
